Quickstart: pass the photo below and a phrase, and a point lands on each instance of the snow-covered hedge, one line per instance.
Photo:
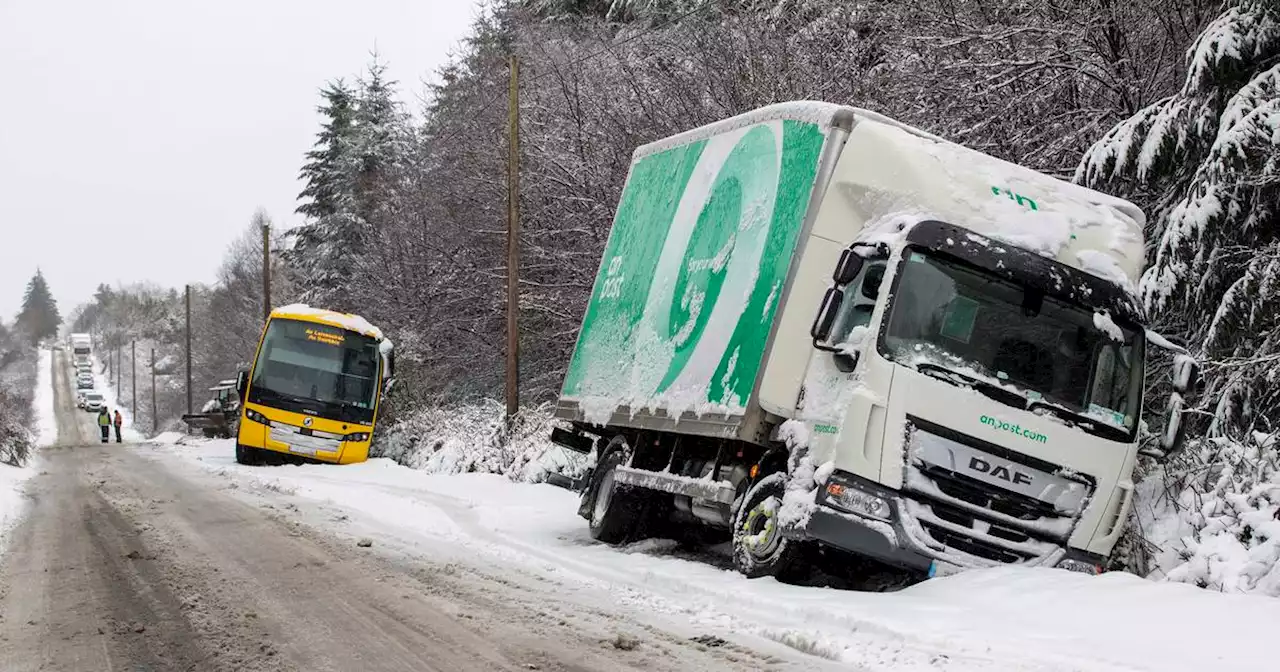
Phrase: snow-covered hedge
(471, 438)
(1212, 517)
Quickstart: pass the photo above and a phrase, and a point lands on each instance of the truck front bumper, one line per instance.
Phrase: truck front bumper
(895, 536)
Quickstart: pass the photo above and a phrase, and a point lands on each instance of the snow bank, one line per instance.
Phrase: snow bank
(46, 433)
(1002, 619)
(1216, 520)
(470, 438)
(46, 420)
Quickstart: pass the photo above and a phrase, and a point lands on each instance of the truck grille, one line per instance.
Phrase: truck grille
(980, 494)
(975, 522)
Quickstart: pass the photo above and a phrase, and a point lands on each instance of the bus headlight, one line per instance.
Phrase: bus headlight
(357, 436)
(255, 416)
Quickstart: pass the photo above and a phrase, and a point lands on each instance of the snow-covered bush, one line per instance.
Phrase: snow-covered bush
(17, 387)
(471, 437)
(1216, 525)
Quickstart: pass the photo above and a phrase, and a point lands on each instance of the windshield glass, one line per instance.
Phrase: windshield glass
(967, 320)
(304, 361)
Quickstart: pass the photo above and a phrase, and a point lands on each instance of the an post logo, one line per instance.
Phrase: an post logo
(1003, 426)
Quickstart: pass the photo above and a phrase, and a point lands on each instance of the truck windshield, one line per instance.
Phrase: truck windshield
(1052, 352)
(314, 366)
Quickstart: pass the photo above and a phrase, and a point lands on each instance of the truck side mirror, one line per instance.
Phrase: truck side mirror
(1174, 437)
(826, 318)
(242, 384)
(849, 267)
(1186, 374)
(387, 385)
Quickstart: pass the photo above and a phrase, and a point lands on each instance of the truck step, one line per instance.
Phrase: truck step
(716, 491)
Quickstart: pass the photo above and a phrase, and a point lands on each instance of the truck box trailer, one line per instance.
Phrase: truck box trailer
(814, 325)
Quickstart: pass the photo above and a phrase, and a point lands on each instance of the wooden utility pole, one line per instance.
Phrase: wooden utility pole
(133, 379)
(188, 348)
(266, 271)
(153, 391)
(513, 244)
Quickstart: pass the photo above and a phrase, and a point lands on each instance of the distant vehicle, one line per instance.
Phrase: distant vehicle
(80, 398)
(84, 383)
(81, 346)
(93, 402)
(315, 387)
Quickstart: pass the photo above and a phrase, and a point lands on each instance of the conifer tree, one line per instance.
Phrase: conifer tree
(39, 317)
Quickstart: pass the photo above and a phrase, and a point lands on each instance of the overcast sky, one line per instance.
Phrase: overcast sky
(137, 137)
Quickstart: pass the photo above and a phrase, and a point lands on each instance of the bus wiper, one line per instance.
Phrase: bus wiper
(986, 388)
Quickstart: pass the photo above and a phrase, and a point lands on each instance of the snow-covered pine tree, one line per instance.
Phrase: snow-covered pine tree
(1207, 161)
(319, 256)
(38, 318)
(1209, 153)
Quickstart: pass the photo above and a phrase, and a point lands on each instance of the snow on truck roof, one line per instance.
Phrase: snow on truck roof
(907, 170)
(330, 317)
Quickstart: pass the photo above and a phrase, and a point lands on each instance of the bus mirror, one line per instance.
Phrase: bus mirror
(826, 317)
(242, 384)
(848, 268)
(1186, 374)
(387, 385)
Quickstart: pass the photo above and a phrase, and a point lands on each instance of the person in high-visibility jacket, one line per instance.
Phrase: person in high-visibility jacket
(118, 420)
(104, 423)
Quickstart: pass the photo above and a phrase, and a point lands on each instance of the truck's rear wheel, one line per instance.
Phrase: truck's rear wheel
(759, 547)
(615, 508)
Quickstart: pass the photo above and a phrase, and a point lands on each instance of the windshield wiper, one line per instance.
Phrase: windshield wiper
(986, 388)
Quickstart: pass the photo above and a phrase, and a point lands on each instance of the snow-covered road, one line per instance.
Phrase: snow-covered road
(1002, 619)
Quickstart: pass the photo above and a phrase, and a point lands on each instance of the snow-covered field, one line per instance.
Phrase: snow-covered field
(46, 433)
(1000, 619)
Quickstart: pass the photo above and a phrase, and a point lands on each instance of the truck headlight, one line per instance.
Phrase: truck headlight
(850, 498)
(256, 416)
(1084, 567)
(357, 436)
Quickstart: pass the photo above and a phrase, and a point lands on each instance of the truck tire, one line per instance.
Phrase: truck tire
(247, 456)
(615, 508)
(759, 548)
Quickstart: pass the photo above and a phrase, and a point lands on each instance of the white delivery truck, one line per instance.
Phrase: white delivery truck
(81, 348)
(814, 326)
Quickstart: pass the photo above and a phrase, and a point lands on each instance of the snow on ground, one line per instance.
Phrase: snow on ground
(998, 619)
(46, 434)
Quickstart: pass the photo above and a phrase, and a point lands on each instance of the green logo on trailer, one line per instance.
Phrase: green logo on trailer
(688, 286)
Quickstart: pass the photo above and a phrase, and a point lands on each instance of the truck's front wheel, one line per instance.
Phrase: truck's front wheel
(615, 508)
(759, 547)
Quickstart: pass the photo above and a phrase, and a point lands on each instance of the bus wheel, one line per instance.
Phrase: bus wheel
(247, 455)
(615, 508)
(759, 548)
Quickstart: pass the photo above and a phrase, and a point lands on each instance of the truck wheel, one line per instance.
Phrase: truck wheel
(246, 455)
(759, 548)
(615, 508)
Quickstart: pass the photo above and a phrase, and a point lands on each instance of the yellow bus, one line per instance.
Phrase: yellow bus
(314, 388)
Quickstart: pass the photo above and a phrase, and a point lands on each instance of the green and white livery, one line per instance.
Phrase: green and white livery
(689, 284)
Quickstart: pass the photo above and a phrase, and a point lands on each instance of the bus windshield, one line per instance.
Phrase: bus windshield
(316, 368)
